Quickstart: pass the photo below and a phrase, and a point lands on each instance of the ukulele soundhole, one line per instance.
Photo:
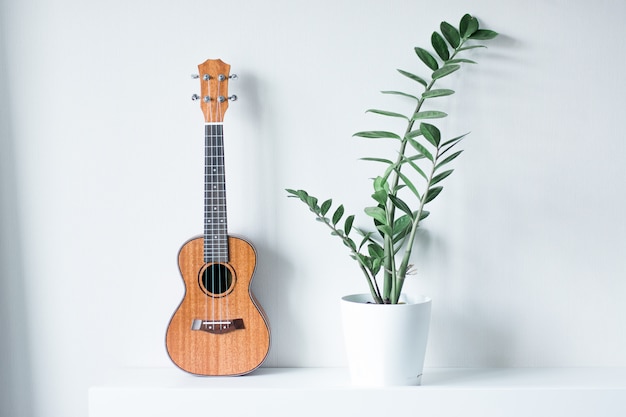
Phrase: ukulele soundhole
(216, 280)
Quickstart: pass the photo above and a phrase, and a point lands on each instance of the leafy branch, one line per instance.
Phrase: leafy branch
(426, 156)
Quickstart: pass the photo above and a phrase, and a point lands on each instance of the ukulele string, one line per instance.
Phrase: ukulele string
(207, 205)
(209, 202)
(221, 201)
(215, 269)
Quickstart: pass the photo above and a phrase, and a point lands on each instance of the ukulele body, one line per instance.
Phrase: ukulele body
(218, 329)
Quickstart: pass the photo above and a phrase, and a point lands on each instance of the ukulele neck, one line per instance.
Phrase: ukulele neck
(215, 214)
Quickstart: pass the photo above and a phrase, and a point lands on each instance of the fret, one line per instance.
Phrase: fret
(215, 213)
(212, 212)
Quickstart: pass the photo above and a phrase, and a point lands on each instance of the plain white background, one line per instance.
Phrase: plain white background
(524, 253)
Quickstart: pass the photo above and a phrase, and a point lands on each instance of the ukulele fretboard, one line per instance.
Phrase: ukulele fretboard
(215, 224)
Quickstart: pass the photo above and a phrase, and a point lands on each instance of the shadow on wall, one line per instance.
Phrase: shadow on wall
(15, 376)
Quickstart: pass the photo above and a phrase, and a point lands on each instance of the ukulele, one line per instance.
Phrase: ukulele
(219, 328)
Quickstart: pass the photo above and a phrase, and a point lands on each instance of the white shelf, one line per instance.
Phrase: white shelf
(304, 392)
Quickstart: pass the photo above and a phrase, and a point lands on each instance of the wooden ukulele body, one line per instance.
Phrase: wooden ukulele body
(215, 332)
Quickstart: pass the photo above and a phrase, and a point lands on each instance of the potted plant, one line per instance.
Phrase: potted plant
(409, 182)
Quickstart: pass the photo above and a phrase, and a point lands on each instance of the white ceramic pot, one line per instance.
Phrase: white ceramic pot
(385, 343)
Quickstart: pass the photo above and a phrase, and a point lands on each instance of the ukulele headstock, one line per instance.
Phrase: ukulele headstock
(214, 75)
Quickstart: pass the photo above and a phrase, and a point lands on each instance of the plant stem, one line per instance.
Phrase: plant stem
(394, 278)
(411, 240)
(393, 285)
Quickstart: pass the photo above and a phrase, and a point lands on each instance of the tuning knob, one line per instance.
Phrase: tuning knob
(233, 76)
(233, 98)
(195, 97)
(195, 76)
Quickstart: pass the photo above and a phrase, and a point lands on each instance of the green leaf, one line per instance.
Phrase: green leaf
(431, 133)
(461, 61)
(451, 34)
(445, 70)
(350, 243)
(437, 93)
(376, 265)
(424, 214)
(384, 161)
(421, 149)
(414, 134)
(440, 45)
(416, 167)
(385, 229)
(432, 193)
(426, 58)
(429, 114)
(400, 204)
(409, 184)
(366, 237)
(377, 134)
(463, 24)
(465, 48)
(337, 215)
(414, 77)
(326, 206)
(400, 93)
(377, 213)
(380, 196)
(375, 250)
(301, 194)
(401, 228)
(380, 184)
(387, 113)
(468, 26)
(483, 34)
(448, 145)
(348, 225)
(402, 224)
(364, 260)
(439, 177)
(448, 159)
(312, 202)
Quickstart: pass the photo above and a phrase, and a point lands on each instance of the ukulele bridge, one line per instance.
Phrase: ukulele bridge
(217, 326)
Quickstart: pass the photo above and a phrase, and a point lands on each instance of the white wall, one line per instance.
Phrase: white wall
(524, 253)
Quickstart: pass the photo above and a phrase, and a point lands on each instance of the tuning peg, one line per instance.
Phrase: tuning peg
(222, 77)
(195, 76)
(233, 98)
(195, 97)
